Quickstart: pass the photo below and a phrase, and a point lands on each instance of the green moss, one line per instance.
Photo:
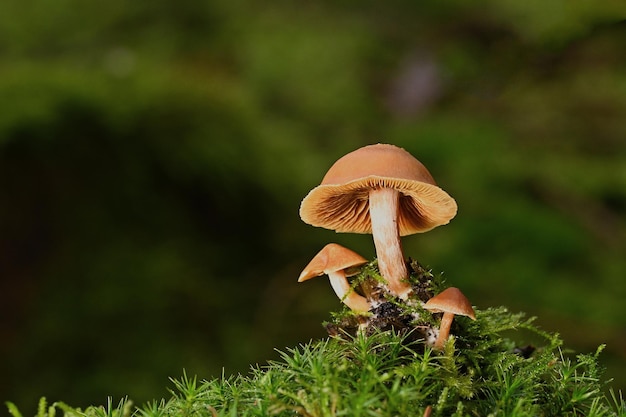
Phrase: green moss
(486, 369)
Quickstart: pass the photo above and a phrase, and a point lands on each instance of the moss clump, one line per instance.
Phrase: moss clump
(390, 313)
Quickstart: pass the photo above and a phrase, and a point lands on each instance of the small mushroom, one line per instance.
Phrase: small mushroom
(383, 190)
(333, 260)
(450, 301)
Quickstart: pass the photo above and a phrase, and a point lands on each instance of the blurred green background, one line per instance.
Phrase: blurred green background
(153, 156)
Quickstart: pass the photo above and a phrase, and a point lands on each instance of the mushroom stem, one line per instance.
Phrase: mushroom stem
(384, 216)
(340, 284)
(444, 330)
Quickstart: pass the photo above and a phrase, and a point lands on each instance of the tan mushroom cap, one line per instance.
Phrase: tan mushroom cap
(341, 202)
(451, 300)
(332, 257)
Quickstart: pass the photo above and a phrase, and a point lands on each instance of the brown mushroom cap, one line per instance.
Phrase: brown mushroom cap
(332, 257)
(451, 300)
(341, 203)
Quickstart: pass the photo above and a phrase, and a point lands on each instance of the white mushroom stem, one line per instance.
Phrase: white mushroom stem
(384, 216)
(340, 284)
(444, 330)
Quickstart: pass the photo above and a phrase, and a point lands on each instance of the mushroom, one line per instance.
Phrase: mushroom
(333, 260)
(383, 190)
(450, 301)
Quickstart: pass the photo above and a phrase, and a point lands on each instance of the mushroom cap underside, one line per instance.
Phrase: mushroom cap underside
(345, 207)
(341, 201)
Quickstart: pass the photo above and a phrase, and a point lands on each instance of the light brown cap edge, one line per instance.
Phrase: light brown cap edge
(332, 257)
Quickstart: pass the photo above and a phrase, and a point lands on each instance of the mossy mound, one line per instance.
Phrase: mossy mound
(501, 364)
(480, 372)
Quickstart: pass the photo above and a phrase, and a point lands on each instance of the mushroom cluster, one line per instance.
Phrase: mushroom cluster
(381, 190)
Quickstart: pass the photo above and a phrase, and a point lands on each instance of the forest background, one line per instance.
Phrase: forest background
(153, 156)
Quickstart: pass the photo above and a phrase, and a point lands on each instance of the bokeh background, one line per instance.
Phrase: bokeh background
(153, 156)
